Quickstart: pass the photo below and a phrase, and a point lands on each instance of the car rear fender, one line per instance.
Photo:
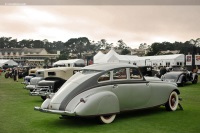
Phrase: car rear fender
(100, 103)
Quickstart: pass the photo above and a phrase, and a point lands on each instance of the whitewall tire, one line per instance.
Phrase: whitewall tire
(106, 119)
(172, 102)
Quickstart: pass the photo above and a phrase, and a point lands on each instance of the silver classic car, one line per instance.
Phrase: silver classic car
(104, 90)
(180, 76)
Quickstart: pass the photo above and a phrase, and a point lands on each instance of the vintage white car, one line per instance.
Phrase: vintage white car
(39, 75)
(31, 74)
(54, 79)
(104, 90)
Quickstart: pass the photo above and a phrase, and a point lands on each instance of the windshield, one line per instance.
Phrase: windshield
(39, 74)
(178, 68)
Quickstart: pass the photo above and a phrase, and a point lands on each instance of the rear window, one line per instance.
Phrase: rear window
(104, 77)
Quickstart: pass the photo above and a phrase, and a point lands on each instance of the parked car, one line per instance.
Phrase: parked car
(180, 76)
(54, 79)
(32, 73)
(104, 90)
(39, 75)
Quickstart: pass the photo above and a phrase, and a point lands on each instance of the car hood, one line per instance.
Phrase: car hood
(28, 77)
(35, 80)
(46, 82)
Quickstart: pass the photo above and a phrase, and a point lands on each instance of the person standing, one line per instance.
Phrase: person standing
(1, 70)
(15, 74)
(162, 71)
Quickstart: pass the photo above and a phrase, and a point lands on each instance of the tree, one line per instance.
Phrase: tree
(104, 44)
(64, 55)
(13, 43)
(77, 45)
(143, 46)
(25, 43)
(4, 42)
(125, 52)
(121, 44)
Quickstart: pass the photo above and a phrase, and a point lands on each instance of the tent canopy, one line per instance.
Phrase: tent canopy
(70, 62)
(8, 62)
(159, 60)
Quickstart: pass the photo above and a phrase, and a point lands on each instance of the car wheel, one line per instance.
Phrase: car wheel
(106, 119)
(172, 102)
(183, 83)
(11, 76)
(6, 75)
(195, 80)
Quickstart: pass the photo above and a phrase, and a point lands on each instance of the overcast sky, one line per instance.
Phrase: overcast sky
(133, 24)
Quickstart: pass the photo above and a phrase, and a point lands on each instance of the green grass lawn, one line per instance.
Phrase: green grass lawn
(18, 116)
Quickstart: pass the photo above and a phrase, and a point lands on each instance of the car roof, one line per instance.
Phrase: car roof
(64, 68)
(173, 73)
(107, 66)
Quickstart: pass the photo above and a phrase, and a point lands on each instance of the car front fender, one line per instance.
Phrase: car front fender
(194, 75)
(180, 78)
(97, 104)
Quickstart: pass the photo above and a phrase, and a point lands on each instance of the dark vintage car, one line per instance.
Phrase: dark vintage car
(180, 76)
(104, 90)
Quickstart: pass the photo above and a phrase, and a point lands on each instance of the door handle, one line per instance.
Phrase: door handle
(115, 86)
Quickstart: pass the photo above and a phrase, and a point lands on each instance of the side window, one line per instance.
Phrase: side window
(119, 73)
(104, 77)
(135, 74)
(51, 74)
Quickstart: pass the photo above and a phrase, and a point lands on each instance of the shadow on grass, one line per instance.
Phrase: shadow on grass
(83, 122)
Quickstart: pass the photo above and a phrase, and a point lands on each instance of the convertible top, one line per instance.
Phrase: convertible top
(107, 66)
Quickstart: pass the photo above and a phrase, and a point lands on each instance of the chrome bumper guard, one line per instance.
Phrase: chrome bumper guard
(40, 92)
(55, 111)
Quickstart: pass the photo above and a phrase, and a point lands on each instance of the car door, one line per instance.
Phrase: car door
(133, 91)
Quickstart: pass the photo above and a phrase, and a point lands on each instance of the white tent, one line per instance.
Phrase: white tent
(8, 62)
(98, 56)
(161, 60)
(112, 56)
(70, 63)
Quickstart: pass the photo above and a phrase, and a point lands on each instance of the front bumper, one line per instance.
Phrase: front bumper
(39, 93)
(60, 112)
